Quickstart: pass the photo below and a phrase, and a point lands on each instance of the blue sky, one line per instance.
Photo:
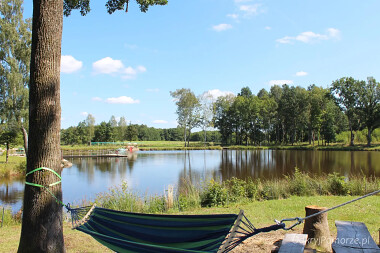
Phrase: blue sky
(125, 64)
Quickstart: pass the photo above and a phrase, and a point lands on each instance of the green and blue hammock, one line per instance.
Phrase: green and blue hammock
(152, 233)
(126, 232)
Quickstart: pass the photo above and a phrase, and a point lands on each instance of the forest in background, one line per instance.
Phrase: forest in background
(283, 115)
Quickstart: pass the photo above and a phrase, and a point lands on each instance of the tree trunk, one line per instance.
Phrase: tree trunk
(7, 152)
(25, 135)
(369, 136)
(352, 138)
(184, 134)
(42, 218)
(188, 139)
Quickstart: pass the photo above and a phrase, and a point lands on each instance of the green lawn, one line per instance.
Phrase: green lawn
(259, 213)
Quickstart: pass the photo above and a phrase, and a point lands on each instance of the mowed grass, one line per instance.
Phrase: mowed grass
(259, 213)
(75, 241)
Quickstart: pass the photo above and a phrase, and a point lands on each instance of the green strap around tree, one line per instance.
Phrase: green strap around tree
(46, 187)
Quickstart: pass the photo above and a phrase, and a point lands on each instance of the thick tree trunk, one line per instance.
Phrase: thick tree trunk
(42, 218)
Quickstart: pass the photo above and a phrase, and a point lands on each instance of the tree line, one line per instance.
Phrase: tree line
(118, 130)
(284, 115)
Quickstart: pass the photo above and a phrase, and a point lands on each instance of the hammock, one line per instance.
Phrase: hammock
(151, 233)
(137, 232)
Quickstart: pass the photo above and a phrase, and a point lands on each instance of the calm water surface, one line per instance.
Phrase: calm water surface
(150, 172)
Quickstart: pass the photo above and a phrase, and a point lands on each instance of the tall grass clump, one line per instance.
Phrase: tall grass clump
(301, 184)
(189, 195)
(120, 198)
(8, 219)
(272, 189)
(362, 185)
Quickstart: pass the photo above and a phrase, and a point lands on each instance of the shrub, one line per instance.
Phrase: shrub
(337, 184)
(301, 184)
(236, 189)
(215, 194)
(251, 189)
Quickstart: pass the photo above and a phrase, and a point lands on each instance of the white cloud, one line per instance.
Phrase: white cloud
(141, 69)
(97, 99)
(84, 114)
(311, 37)
(131, 73)
(267, 28)
(122, 100)
(280, 82)
(217, 93)
(308, 37)
(69, 64)
(160, 121)
(221, 27)
(233, 16)
(107, 65)
(249, 10)
(333, 33)
(301, 73)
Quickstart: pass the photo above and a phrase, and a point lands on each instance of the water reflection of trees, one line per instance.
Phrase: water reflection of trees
(277, 163)
(113, 166)
(195, 176)
(9, 193)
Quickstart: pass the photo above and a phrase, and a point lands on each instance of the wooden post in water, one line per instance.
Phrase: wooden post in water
(317, 227)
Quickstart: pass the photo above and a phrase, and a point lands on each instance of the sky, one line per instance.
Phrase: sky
(126, 64)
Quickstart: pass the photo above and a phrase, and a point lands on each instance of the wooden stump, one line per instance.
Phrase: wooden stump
(317, 227)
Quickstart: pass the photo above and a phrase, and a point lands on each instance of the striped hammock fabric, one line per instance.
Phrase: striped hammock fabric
(152, 233)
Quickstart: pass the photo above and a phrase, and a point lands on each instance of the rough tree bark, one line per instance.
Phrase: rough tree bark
(42, 218)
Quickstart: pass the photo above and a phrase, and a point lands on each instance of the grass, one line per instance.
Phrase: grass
(179, 145)
(147, 145)
(16, 165)
(260, 213)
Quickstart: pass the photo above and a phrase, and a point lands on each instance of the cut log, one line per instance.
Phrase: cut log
(317, 227)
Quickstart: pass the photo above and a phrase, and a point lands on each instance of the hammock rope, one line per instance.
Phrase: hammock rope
(47, 187)
(136, 232)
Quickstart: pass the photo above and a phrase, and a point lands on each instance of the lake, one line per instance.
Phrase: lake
(150, 172)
